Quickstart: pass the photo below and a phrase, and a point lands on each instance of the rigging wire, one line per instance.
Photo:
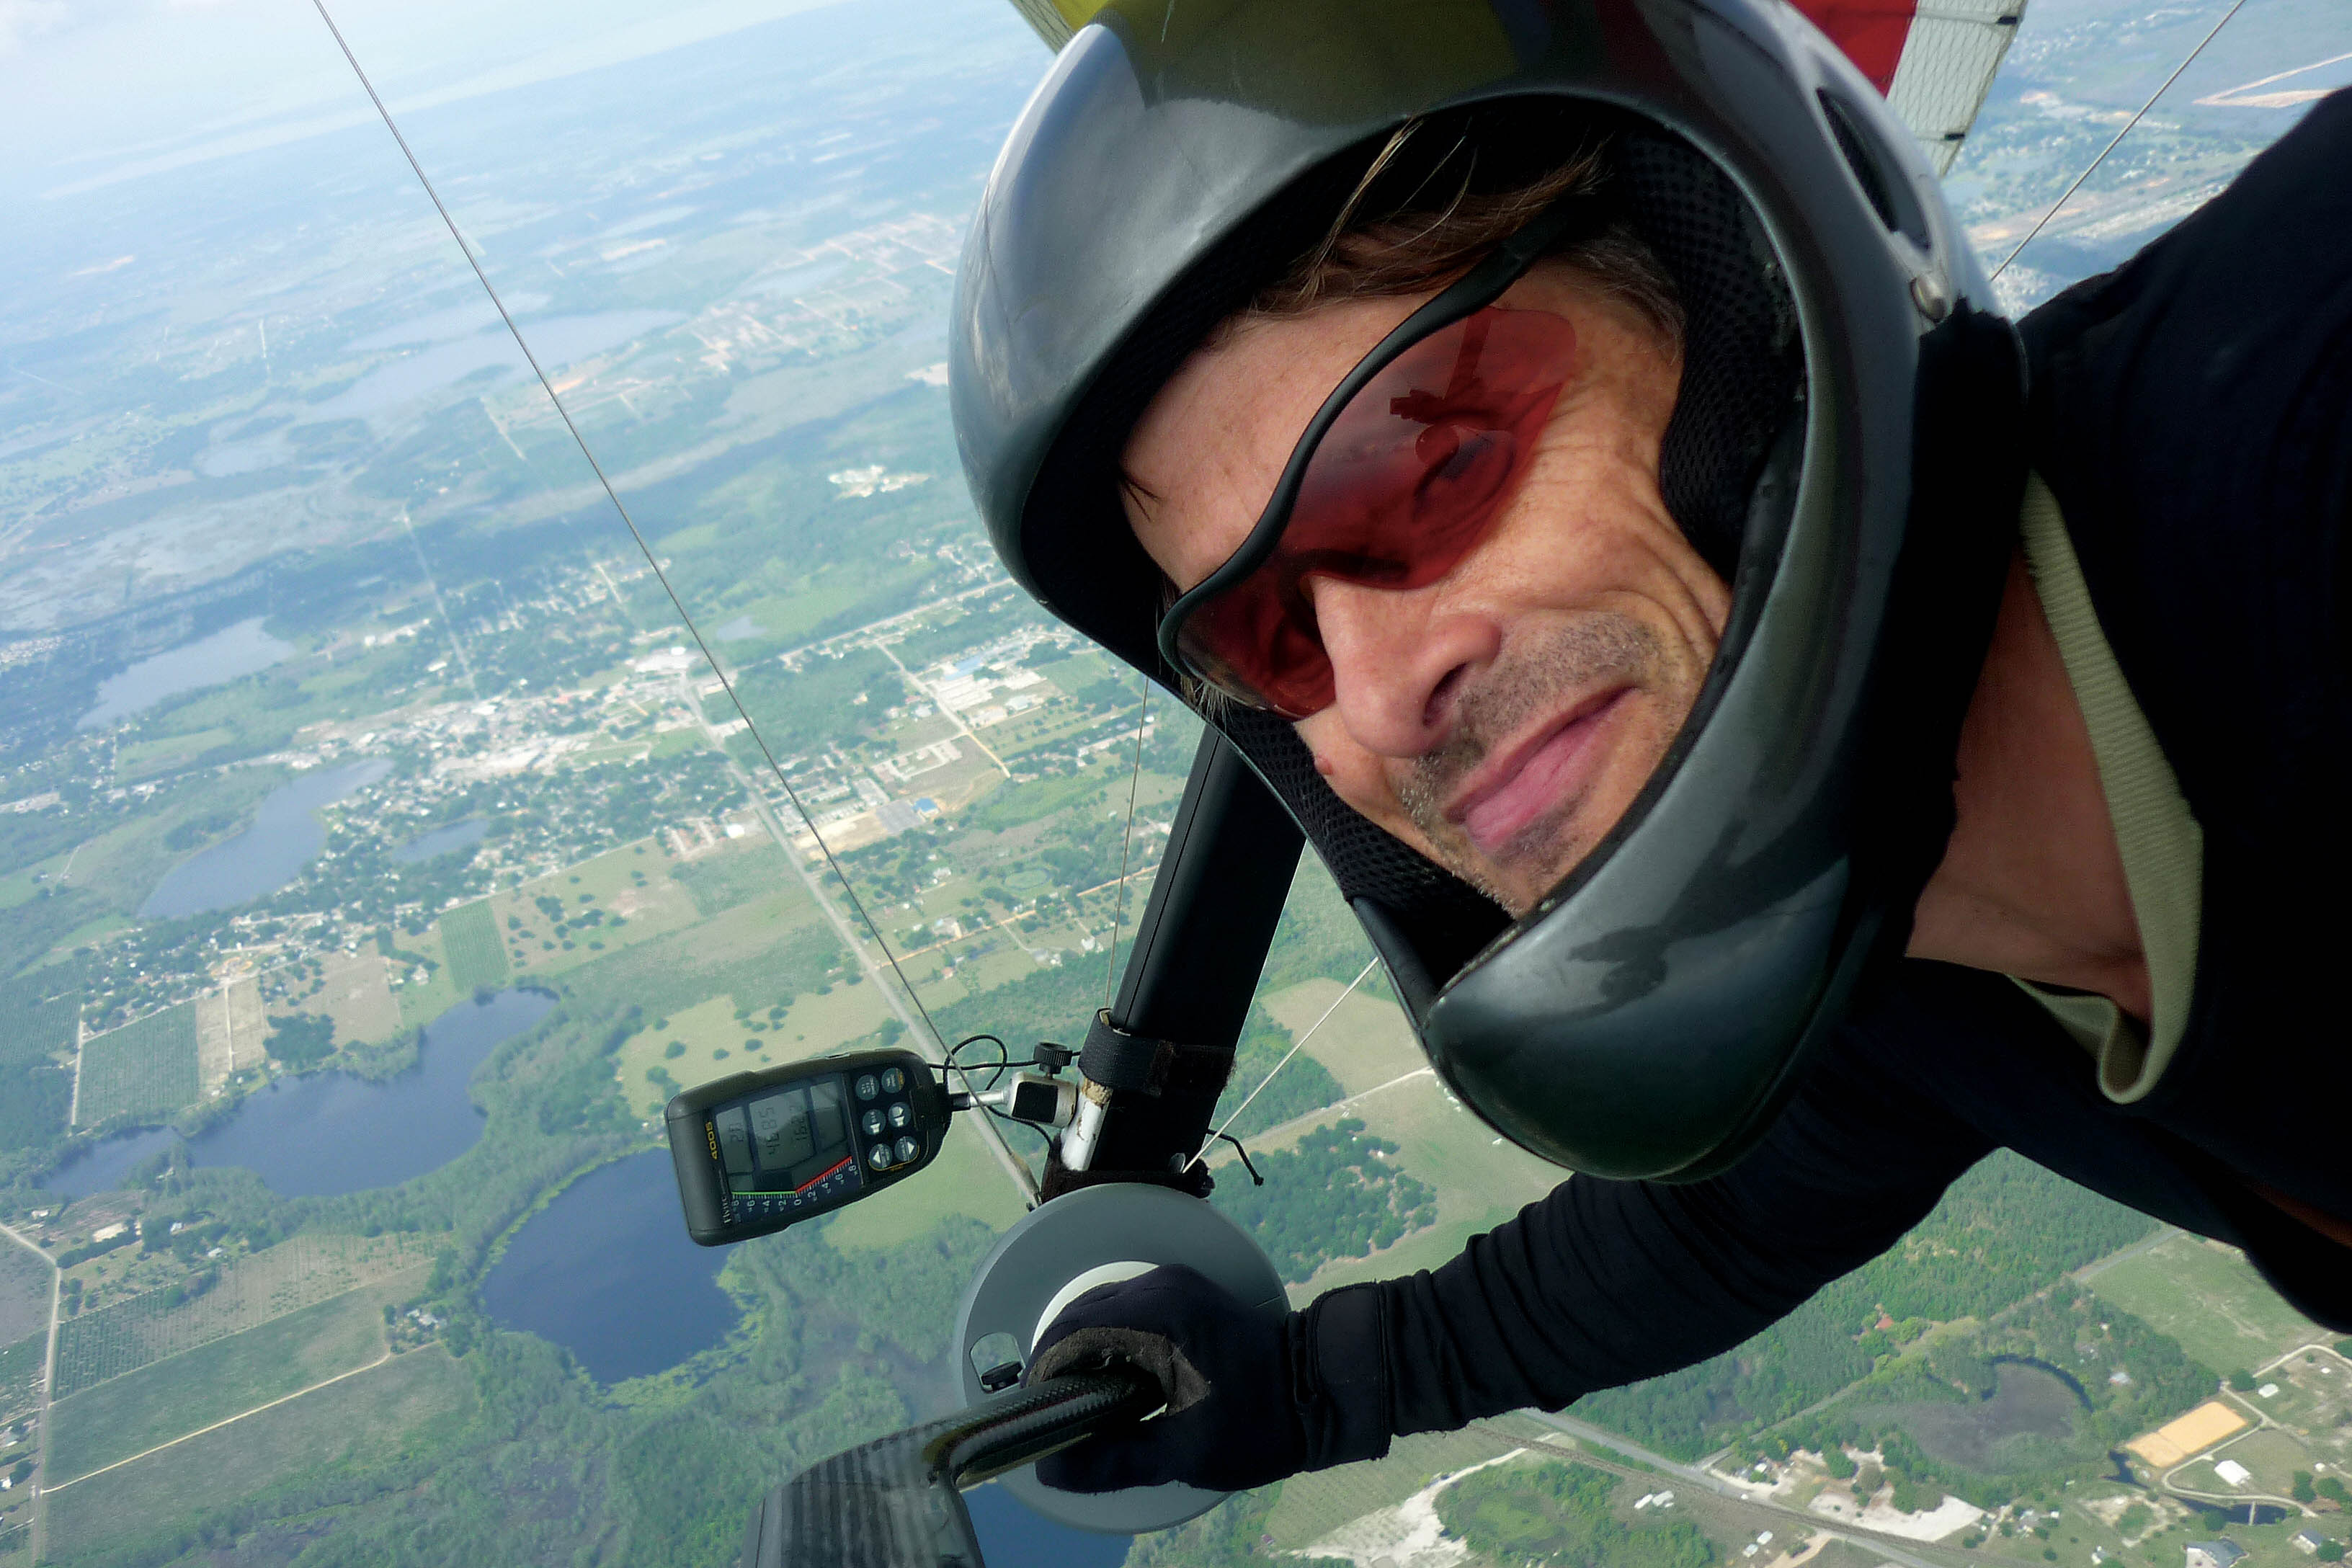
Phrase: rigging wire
(1210, 1141)
(652, 563)
(2093, 166)
(1127, 838)
(645, 549)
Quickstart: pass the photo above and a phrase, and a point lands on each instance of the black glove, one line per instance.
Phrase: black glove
(1249, 1398)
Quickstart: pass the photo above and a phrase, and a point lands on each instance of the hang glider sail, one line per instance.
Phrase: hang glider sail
(1933, 60)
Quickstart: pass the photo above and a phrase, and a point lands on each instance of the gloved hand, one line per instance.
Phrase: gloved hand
(1233, 1418)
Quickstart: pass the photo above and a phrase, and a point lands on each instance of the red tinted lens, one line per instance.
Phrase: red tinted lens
(1403, 485)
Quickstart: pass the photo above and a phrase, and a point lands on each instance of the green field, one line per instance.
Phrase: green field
(123, 865)
(147, 1067)
(132, 1414)
(20, 1368)
(2208, 1297)
(639, 903)
(965, 1180)
(1008, 808)
(470, 938)
(37, 1013)
(1315, 1504)
(302, 1271)
(141, 758)
(716, 1042)
(1479, 1180)
(399, 1409)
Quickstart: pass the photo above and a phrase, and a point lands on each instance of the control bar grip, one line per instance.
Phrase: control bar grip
(896, 1502)
(1054, 1414)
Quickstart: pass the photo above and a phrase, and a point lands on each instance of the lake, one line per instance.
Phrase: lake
(285, 837)
(326, 1132)
(2030, 1413)
(606, 1270)
(558, 341)
(1013, 1537)
(441, 841)
(233, 651)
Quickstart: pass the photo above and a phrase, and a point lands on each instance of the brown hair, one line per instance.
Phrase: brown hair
(1385, 243)
(1390, 239)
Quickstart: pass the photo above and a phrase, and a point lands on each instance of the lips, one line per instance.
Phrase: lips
(1556, 761)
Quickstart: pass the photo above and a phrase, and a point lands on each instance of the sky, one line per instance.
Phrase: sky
(93, 90)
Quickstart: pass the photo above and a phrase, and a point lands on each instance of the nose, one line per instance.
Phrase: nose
(1399, 661)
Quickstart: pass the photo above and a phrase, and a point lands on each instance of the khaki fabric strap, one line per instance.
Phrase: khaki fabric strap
(2162, 846)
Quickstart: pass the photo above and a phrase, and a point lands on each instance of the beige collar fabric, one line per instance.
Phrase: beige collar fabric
(2163, 848)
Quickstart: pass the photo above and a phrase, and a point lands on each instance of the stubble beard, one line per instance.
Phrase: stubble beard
(1590, 653)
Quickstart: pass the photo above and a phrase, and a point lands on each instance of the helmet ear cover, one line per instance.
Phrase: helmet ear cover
(1742, 387)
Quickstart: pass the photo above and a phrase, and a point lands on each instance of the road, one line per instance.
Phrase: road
(2262, 1420)
(875, 628)
(2163, 1234)
(224, 1421)
(49, 1380)
(1895, 1549)
(919, 684)
(1281, 1130)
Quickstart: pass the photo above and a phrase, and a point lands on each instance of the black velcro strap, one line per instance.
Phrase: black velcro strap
(1193, 1179)
(1142, 1064)
(1116, 1060)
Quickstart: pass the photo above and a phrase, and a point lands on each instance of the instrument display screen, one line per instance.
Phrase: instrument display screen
(760, 1151)
(794, 1139)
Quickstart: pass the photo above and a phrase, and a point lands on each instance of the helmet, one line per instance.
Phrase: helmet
(1845, 446)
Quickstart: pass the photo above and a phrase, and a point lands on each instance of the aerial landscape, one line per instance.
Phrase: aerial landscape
(380, 851)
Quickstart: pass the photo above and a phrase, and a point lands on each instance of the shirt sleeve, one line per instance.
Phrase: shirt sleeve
(1606, 1283)
(2192, 411)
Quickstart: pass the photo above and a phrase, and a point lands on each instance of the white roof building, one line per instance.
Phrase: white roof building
(2223, 1553)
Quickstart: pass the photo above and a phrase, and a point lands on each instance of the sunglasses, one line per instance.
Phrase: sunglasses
(1400, 474)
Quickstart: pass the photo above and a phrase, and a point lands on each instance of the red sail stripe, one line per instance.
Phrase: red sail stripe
(1870, 32)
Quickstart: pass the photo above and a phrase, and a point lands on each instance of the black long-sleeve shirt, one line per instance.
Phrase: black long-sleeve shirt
(2192, 411)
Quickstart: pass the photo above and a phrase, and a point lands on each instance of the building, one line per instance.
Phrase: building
(2223, 1553)
(2309, 1542)
(2232, 1472)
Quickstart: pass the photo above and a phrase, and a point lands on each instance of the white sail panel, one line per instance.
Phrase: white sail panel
(1953, 48)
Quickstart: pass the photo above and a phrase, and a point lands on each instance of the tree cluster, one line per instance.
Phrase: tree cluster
(2004, 1230)
(1338, 1193)
(301, 1039)
(1562, 1514)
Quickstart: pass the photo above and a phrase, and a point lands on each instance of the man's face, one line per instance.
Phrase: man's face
(1502, 719)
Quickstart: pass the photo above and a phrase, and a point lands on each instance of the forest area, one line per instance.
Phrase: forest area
(2063, 1331)
(2005, 1230)
(1560, 1514)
